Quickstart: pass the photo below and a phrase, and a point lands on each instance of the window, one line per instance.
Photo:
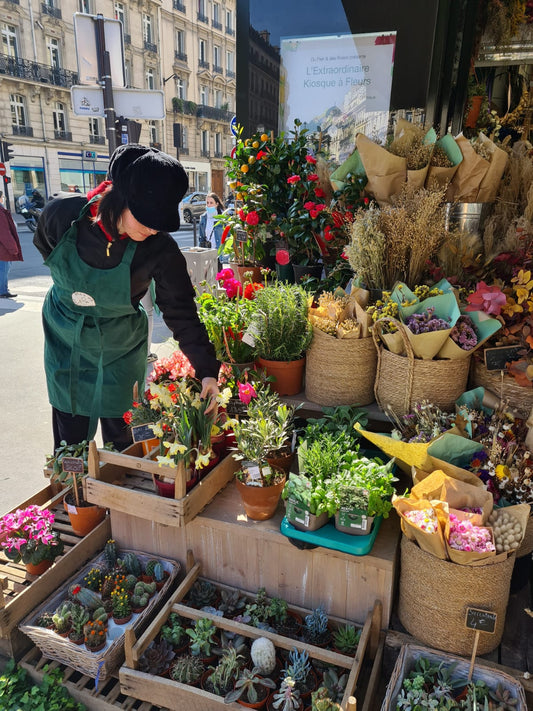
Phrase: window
(180, 42)
(52, 46)
(218, 144)
(180, 88)
(147, 28)
(216, 56)
(18, 110)
(218, 98)
(120, 13)
(150, 83)
(204, 95)
(183, 136)
(94, 127)
(229, 20)
(201, 7)
(205, 142)
(152, 130)
(60, 120)
(85, 6)
(202, 50)
(216, 12)
(9, 40)
(230, 62)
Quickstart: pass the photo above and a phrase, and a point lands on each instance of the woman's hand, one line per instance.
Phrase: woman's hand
(210, 390)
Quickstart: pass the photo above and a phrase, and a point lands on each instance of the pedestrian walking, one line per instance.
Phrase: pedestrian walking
(10, 249)
(103, 251)
(210, 232)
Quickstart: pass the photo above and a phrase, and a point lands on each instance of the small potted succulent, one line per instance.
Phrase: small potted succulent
(202, 594)
(321, 701)
(62, 619)
(174, 632)
(231, 602)
(79, 616)
(121, 602)
(187, 669)
(220, 679)
(95, 635)
(140, 596)
(157, 658)
(251, 689)
(203, 639)
(288, 697)
(298, 668)
(333, 685)
(316, 628)
(346, 638)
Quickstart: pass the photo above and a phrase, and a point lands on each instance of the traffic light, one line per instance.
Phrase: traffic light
(8, 151)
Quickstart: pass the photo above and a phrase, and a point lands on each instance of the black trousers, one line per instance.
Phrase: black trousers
(75, 428)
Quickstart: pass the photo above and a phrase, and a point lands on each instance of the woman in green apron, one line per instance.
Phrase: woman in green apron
(103, 251)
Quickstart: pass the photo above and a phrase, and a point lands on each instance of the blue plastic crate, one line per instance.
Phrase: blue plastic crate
(329, 537)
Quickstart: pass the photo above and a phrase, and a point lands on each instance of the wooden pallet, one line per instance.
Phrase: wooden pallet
(124, 483)
(20, 592)
(178, 696)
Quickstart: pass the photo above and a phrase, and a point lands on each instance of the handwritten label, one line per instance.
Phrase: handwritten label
(482, 620)
(73, 465)
(496, 358)
(241, 235)
(141, 433)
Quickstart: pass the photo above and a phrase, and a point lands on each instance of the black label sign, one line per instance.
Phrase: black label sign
(482, 620)
(496, 358)
(140, 433)
(241, 235)
(73, 465)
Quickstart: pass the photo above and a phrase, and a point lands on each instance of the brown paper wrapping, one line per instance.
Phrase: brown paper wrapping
(386, 172)
(430, 542)
(427, 345)
(490, 184)
(467, 557)
(459, 494)
(438, 177)
(470, 172)
(394, 342)
(433, 463)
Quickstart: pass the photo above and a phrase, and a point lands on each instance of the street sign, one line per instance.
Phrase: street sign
(233, 152)
(233, 126)
(89, 155)
(2, 169)
(130, 103)
(86, 51)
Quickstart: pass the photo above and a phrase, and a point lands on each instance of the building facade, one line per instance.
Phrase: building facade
(184, 47)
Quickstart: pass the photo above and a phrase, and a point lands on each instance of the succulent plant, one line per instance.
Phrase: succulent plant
(93, 579)
(202, 593)
(298, 667)
(110, 554)
(277, 610)
(45, 619)
(149, 567)
(142, 588)
(139, 601)
(320, 701)
(79, 617)
(503, 698)
(346, 638)
(187, 669)
(231, 602)
(156, 658)
(259, 609)
(334, 683)
(130, 582)
(94, 633)
(61, 618)
(316, 624)
(132, 564)
(100, 614)
(173, 630)
(202, 637)
(288, 697)
(226, 671)
(263, 655)
(108, 585)
(247, 686)
(232, 640)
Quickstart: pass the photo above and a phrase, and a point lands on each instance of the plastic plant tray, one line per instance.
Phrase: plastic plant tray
(329, 537)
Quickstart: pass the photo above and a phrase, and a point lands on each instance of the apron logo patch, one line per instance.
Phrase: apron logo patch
(82, 299)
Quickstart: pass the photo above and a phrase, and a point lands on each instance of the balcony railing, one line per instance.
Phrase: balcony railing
(230, 31)
(52, 11)
(180, 56)
(205, 153)
(202, 18)
(15, 2)
(230, 73)
(150, 46)
(97, 140)
(211, 112)
(217, 69)
(62, 135)
(219, 154)
(203, 64)
(22, 130)
(127, 38)
(177, 5)
(33, 71)
(216, 24)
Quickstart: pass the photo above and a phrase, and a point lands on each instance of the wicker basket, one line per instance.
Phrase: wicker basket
(403, 380)
(526, 546)
(340, 371)
(518, 397)
(105, 662)
(411, 653)
(434, 595)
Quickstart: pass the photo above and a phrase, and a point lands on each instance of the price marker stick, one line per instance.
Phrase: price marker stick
(473, 659)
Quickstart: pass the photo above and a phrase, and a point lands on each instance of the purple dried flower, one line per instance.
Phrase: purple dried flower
(425, 322)
(464, 333)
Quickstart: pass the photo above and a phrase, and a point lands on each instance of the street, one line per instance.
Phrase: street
(25, 418)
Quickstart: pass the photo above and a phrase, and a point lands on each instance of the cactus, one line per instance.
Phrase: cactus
(263, 655)
(108, 585)
(149, 567)
(94, 633)
(320, 701)
(142, 588)
(226, 671)
(187, 669)
(93, 579)
(139, 601)
(100, 614)
(110, 554)
(45, 620)
(298, 667)
(61, 618)
(84, 597)
(132, 564)
(130, 582)
(79, 617)
(159, 572)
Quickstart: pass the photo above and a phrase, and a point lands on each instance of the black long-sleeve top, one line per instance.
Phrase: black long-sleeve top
(158, 257)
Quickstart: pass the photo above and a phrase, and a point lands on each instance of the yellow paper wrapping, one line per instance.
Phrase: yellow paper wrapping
(427, 345)
(407, 454)
(394, 342)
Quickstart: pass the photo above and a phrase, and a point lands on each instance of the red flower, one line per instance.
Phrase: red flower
(127, 417)
(319, 192)
(312, 177)
(225, 232)
(314, 213)
(310, 159)
(76, 589)
(261, 154)
(225, 274)
(338, 218)
(241, 214)
(282, 257)
(250, 289)
(233, 288)
(309, 205)
(328, 234)
(252, 218)
(171, 388)
(366, 200)
(293, 179)
(320, 207)
(344, 255)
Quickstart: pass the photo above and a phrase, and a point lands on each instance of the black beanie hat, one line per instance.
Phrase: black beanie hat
(152, 182)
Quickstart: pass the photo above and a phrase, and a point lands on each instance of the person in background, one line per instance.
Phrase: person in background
(211, 233)
(103, 251)
(10, 249)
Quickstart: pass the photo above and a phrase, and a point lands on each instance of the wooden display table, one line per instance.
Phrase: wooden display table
(250, 554)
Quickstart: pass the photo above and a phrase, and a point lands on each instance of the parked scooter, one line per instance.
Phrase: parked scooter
(31, 209)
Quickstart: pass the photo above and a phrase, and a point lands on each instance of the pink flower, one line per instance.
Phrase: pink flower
(246, 392)
(293, 179)
(310, 159)
(225, 274)
(252, 218)
(489, 299)
(312, 177)
(283, 256)
(233, 288)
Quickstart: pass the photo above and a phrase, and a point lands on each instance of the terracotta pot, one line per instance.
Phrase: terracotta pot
(76, 640)
(138, 610)
(148, 444)
(97, 648)
(122, 620)
(240, 271)
(214, 459)
(218, 444)
(281, 461)
(262, 694)
(38, 569)
(288, 374)
(473, 114)
(260, 502)
(270, 707)
(63, 634)
(84, 518)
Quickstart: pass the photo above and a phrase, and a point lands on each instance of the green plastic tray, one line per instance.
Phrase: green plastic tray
(329, 537)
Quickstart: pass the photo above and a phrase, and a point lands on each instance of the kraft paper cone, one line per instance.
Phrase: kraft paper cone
(467, 557)
(386, 172)
(430, 542)
(394, 342)
(490, 184)
(442, 177)
(469, 175)
(353, 165)
(434, 464)
(459, 494)
(427, 345)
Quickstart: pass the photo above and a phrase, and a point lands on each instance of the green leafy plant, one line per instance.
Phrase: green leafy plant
(321, 701)
(19, 692)
(346, 638)
(247, 686)
(173, 631)
(334, 683)
(74, 479)
(202, 637)
(363, 482)
(226, 671)
(335, 420)
(259, 609)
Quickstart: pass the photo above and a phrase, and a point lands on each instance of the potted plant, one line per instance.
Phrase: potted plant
(361, 491)
(316, 628)
(95, 635)
(143, 413)
(79, 616)
(250, 690)
(157, 658)
(298, 668)
(121, 606)
(187, 669)
(202, 594)
(174, 632)
(219, 680)
(321, 701)
(27, 535)
(83, 516)
(288, 697)
(203, 638)
(346, 639)
(62, 619)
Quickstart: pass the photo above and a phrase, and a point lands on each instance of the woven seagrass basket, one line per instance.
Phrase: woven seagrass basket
(526, 547)
(403, 380)
(340, 371)
(518, 397)
(411, 653)
(434, 595)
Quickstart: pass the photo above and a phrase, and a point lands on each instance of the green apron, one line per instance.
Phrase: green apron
(95, 340)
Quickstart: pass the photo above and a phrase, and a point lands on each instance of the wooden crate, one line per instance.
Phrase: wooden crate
(20, 592)
(178, 696)
(247, 554)
(124, 483)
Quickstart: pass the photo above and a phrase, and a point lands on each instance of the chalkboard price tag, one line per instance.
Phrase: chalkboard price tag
(141, 433)
(481, 620)
(496, 358)
(72, 465)
(241, 235)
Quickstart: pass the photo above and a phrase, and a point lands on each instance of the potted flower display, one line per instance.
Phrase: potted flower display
(95, 635)
(83, 516)
(27, 535)
(282, 333)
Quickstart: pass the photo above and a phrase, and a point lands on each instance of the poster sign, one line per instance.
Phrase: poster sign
(340, 83)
